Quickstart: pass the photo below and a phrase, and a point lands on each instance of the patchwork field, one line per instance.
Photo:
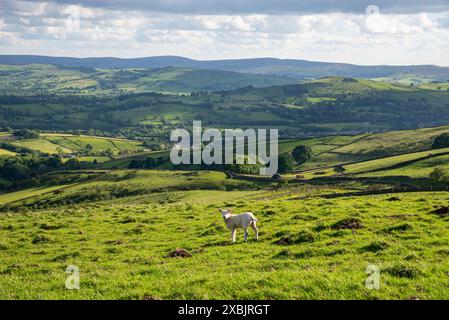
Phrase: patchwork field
(139, 227)
(405, 160)
(396, 142)
(418, 169)
(42, 145)
(366, 152)
(66, 143)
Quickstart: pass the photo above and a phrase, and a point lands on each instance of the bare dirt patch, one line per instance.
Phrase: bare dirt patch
(179, 253)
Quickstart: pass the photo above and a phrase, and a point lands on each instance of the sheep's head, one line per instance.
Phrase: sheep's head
(225, 213)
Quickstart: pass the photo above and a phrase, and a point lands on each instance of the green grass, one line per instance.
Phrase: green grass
(394, 142)
(84, 81)
(378, 164)
(391, 161)
(122, 162)
(121, 247)
(42, 145)
(27, 193)
(51, 142)
(4, 152)
(419, 169)
(124, 183)
(343, 150)
(92, 159)
(98, 143)
(311, 108)
(318, 145)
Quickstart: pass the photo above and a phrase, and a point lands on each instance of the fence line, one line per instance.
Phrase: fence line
(387, 191)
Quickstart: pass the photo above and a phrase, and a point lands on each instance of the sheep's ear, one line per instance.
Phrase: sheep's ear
(229, 210)
(220, 209)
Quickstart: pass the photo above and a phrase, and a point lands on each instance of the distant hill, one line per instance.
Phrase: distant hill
(298, 69)
(312, 108)
(34, 79)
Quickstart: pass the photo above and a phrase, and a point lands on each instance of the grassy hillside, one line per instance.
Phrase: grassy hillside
(406, 160)
(52, 143)
(123, 245)
(418, 169)
(316, 108)
(392, 147)
(299, 69)
(394, 142)
(53, 79)
(41, 145)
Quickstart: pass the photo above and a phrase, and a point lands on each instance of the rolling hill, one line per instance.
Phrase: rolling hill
(299, 69)
(138, 227)
(320, 107)
(35, 79)
(123, 229)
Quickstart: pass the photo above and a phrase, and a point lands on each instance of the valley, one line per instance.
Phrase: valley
(86, 180)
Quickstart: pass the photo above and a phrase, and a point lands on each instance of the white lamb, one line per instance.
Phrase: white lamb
(244, 220)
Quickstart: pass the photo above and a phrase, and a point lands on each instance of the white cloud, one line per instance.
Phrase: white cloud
(400, 24)
(41, 28)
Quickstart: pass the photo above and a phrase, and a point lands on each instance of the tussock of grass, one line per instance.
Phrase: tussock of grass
(38, 239)
(400, 228)
(404, 271)
(375, 246)
(348, 223)
(301, 237)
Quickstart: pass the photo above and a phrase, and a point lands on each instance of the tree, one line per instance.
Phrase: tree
(135, 164)
(247, 167)
(161, 160)
(302, 154)
(439, 175)
(26, 134)
(88, 147)
(286, 162)
(109, 152)
(73, 164)
(339, 169)
(149, 163)
(442, 141)
(54, 162)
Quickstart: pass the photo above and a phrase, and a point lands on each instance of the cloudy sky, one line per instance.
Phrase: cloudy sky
(355, 31)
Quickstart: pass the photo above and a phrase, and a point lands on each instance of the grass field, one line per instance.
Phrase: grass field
(27, 193)
(419, 169)
(120, 227)
(383, 163)
(42, 145)
(394, 142)
(66, 143)
(343, 150)
(4, 152)
(122, 247)
(84, 81)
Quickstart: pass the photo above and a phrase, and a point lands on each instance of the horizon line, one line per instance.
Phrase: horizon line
(226, 59)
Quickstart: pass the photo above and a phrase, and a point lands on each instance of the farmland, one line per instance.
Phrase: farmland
(53, 143)
(323, 107)
(121, 226)
(88, 81)
(86, 180)
(310, 247)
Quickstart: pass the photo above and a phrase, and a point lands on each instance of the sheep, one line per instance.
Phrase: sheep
(244, 220)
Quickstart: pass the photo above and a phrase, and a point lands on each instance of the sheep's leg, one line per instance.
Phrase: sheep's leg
(246, 234)
(233, 235)
(256, 231)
